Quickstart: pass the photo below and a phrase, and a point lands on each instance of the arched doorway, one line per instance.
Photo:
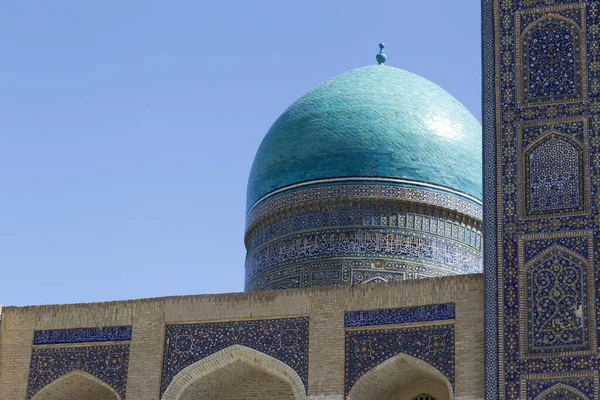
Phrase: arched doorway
(402, 377)
(77, 385)
(236, 372)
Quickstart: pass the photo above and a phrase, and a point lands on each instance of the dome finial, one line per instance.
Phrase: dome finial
(381, 57)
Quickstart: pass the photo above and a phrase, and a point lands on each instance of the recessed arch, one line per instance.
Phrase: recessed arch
(549, 17)
(560, 390)
(555, 248)
(553, 168)
(77, 385)
(539, 81)
(253, 362)
(402, 377)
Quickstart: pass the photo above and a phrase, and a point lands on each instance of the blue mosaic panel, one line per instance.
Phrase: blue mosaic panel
(557, 304)
(574, 128)
(552, 165)
(554, 176)
(368, 217)
(107, 363)
(437, 252)
(82, 335)
(433, 312)
(284, 339)
(490, 175)
(344, 271)
(576, 388)
(579, 244)
(369, 348)
(551, 48)
(364, 191)
(521, 92)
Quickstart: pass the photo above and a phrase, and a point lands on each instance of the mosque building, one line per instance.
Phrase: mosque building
(375, 204)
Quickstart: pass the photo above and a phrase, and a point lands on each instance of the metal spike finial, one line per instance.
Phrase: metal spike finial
(381, 57)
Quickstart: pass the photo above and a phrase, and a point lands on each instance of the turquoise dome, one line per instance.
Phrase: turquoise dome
(376, 121)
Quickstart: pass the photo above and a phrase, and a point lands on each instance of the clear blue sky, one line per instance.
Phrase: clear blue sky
(128, 128)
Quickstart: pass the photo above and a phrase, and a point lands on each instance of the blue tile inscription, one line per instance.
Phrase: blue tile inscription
(432, 312)
(83, 335)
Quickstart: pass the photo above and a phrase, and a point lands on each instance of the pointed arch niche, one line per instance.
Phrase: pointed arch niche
(77, 385)
(402, 377)
(560, 391)
(236, 372)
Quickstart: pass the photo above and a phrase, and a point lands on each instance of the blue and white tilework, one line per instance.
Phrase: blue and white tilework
(369, 348)
(284, 339)
(557, 388)
(364, 191)
(490, 175)
(542, 149)
(82, 335)
(433, 312)
(552, 167)
(334, 216)
(107, 363)
(433, 251)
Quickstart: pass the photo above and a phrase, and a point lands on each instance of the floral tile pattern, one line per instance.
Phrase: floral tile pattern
(284, 339)
(542, 161)
(366, 349)
(107, 363)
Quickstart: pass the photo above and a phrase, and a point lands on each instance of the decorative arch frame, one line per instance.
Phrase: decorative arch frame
(229, 355)
(421, 365)
(587, 267)
(375, 279)
(583, 160)
(81, 374)
(569, 389)
(544, 18)
(519, 49)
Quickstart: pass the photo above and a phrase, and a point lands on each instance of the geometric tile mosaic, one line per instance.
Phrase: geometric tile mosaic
(345, 271)
(366, 216)
(551, 46)
(553, 164)
(433, 312)
(107, 363)
(358, 191)
(557, 295)
(366, 349)
(82, 335)
(542, 163)
(392, 244)
(284, 339)
(577, 387)
(490, 182)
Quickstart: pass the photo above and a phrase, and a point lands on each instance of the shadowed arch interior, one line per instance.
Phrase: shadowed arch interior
(236, 372)
(77, 385)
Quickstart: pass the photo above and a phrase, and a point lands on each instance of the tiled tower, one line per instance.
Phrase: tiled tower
(374, 175)
(542, 160)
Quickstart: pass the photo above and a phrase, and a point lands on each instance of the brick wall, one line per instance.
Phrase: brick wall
(324, 306)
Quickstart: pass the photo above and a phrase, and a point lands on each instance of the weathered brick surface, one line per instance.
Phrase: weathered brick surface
(324, 306)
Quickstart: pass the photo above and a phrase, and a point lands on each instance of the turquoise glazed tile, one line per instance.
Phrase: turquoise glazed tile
(375, 121)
